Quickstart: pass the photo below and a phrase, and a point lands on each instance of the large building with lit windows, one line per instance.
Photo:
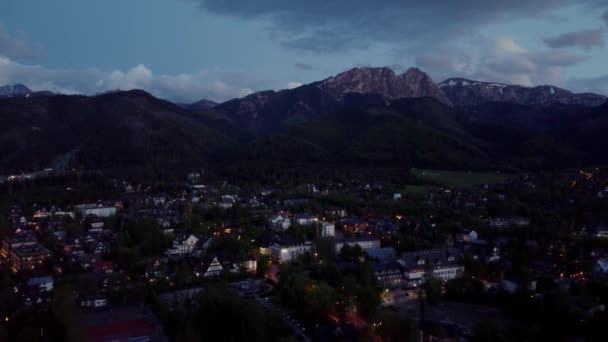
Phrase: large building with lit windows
(444, 263)
(23, 252)
(287, 252)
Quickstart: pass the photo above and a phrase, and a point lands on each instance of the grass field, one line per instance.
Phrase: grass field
(459, 178)
(416, 189)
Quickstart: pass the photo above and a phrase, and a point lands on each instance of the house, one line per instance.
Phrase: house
(89, 261)
(389, 275)
(481, 250)
(155, 269)
(27, 296)
(328, 229)
(444, 263)
(208, 268)
(354, 225)
(306, 219)
(98, 301)
(284, 252)
(96, 227)
(337, 212)
(281, 220)
(102, 266)
(469, 235)
(364, 242)
(249, 266)
(183, 245)
(227, 201)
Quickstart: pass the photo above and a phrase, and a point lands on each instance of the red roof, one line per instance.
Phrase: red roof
(118, 330)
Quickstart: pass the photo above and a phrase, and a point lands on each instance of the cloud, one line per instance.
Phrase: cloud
(593, 84)
(302, 66)
(323, 26)
(182, 88)
(18, 46)
(499, 59)
(293, 85)
(585, 39)
(605, 17)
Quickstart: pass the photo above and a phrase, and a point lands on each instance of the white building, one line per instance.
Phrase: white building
(94, 302)
(306, 219)
(214, 269)
(364, 242)
(601, 232)
(328, 229)
(281, 220)
(284, 253)
(445, 263)
(96, 210)
(183, 246)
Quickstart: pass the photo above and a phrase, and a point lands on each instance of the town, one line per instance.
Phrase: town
(434, 255)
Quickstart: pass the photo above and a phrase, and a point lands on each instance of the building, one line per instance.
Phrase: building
(306, 219)
(16, 240)
(383, 255)
(508, 222)
(469, 236)
(337, 212)
(211, 268)
(281, 220)
(601, 232)
(23, 252)
(287, 252)
(354, 225)
(28, 257)
(364, 242)
(98, 210)
(94, 302)
(444, 263)
(44, 284)
(183, 245)
(601, 266)
(328, 229)
(388, 276)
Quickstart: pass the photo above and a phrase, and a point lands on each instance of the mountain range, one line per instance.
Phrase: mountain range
(361, 117)
(19, 90)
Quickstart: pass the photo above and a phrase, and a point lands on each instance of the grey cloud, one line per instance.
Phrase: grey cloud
(302, 66)
(585, 39)
(18, 45)
(213, 85)
(499, 59)
(594, 84)
(342, 25)
(323, 41)
(605, 17)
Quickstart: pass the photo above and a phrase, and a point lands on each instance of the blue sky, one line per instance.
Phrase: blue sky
(185, 50)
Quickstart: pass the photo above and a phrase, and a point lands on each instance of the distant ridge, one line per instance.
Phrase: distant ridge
(463, 92)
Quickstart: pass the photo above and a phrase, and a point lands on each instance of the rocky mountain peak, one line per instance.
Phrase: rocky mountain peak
(383, 81)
